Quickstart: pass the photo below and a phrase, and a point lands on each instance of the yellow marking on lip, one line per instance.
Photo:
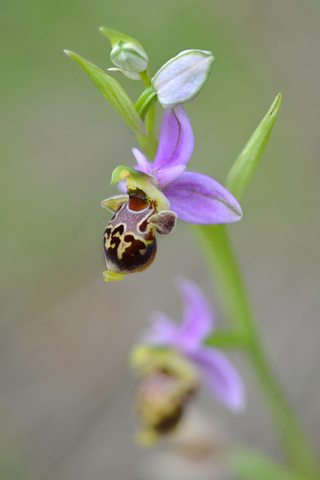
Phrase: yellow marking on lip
(124, 244)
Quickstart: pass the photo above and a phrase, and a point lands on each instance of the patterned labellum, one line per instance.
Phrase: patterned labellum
(129, 241)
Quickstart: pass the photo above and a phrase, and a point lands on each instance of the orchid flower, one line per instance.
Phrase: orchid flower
(157, 194)
(187, 339)
(173, 362)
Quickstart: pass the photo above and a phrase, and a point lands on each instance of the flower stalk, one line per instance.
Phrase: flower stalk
(145, 101)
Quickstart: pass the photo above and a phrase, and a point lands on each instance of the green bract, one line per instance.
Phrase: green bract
(245, 165)
(113, 93)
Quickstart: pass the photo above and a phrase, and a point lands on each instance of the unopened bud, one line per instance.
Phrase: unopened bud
(127, 54)
(181, 78)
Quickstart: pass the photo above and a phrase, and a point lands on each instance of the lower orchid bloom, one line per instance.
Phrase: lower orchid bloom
(157, 194)
(174, 363)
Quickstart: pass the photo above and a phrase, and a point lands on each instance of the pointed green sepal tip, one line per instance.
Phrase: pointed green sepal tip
(112, 35)
(113, 93)
(115, 36)
(243, 168)
(110, 276)
(124, 172)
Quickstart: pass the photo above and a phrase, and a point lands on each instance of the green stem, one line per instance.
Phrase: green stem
(297, 446)
(145, 101)
(218, 253)
(222, 262)
(151, 115)
(150, 120)
(150, 142)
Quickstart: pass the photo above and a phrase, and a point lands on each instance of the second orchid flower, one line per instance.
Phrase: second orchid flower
(173, 362)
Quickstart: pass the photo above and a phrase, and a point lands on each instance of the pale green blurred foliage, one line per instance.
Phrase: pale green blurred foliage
(61, 141)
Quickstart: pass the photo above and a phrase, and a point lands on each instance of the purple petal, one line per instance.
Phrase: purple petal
(144, 165)
(198, 318)
(221, 378)
(176, 139)
(196, 198)
(166, 176)
(162, 330)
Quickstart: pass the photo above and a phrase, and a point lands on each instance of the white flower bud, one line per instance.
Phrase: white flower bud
(181, 78)
(127, 54)
(129, 57)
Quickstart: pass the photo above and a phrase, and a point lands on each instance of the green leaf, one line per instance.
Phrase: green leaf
(243, 168)
(250, 465)
(113, 93)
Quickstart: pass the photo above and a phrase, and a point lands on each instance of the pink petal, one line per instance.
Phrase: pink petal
(221, 378)
(162, 330)
(144, 165)
(176, 139)
(166, 176)
(198, 318)
(196, 198)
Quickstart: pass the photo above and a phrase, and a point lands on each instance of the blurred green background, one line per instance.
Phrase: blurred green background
(66, 395)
